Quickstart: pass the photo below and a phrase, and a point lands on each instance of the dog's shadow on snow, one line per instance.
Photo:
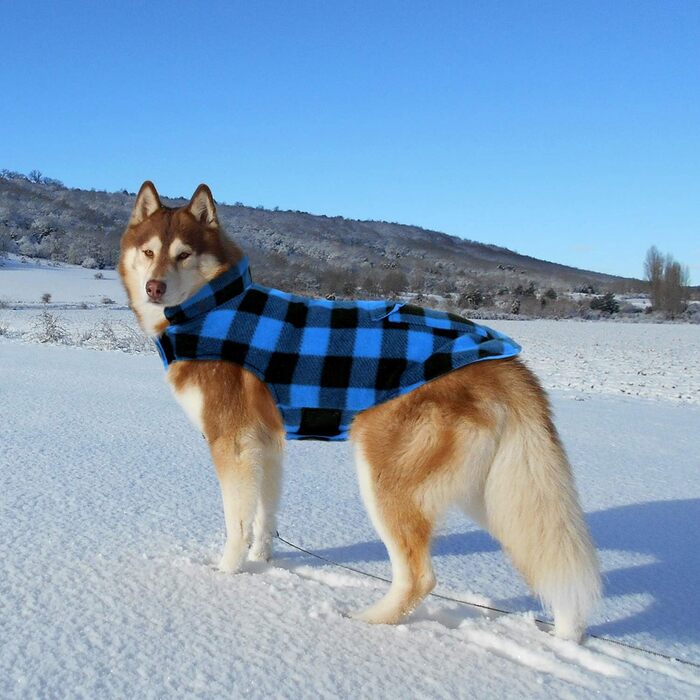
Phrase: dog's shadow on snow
(374, 550)
(667, 531)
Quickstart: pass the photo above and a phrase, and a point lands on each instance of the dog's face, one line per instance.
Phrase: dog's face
(168, 254)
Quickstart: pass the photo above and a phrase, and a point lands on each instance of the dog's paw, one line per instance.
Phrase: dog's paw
(231, 560)
(261, 552)
(377, 614)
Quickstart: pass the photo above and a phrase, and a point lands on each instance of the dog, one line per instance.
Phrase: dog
(478, 435)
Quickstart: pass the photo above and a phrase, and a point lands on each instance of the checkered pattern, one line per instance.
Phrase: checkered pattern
(323, 360)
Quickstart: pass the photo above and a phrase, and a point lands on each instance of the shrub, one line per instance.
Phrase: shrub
(46, 298)
(48, 328)
(607, 303)
(473, 298)
(98, 276)
(394, 282)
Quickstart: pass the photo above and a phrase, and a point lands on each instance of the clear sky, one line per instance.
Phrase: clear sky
(565, 130)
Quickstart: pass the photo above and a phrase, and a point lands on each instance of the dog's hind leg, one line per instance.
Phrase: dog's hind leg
(265, 522)
(238, 469)
(406, 531)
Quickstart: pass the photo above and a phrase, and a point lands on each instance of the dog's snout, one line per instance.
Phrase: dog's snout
(155, 289)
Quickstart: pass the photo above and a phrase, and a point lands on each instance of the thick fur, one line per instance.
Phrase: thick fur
(480, 438)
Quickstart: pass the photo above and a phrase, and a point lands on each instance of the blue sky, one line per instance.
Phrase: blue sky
(569, 131)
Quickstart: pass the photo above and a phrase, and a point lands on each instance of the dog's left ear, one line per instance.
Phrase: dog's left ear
(147, 203)
(202, 206)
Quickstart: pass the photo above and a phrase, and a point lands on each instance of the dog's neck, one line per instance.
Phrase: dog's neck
(229, 284)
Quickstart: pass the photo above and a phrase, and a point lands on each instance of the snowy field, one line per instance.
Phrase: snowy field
(110, 525)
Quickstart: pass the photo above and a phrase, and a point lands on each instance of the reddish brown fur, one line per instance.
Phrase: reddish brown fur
(237, 402)
(481, 436)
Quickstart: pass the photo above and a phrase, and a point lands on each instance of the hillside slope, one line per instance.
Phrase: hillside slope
(294, 249)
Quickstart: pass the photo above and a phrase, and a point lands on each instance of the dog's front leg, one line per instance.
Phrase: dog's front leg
(264, 524)
(239, 479)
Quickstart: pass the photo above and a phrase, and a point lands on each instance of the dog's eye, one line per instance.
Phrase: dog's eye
(148, 253)
(184, 255)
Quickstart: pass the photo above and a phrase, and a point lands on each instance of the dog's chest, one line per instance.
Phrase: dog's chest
(191, 400)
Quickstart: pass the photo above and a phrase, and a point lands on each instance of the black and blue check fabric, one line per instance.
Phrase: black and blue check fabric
(324, 361)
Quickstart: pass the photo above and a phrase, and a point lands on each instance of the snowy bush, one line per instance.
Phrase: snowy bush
(48, 328)
(607, 304)
(89, 263)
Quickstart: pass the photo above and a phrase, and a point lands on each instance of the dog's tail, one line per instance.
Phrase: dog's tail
(532, 507)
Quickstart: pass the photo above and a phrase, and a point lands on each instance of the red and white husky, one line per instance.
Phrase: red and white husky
(480, 437)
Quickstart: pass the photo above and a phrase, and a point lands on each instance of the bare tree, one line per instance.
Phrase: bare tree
(654, 273)
(676, 282)
(669, 282)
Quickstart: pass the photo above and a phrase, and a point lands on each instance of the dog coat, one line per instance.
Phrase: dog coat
(323, 361)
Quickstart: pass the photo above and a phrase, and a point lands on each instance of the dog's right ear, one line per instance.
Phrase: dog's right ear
(147, 203)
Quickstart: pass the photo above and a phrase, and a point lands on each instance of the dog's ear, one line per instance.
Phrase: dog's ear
(147, 203)
(202, 206)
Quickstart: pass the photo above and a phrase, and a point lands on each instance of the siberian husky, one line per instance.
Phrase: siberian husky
(480, 437)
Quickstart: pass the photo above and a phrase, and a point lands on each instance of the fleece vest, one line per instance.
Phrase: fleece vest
(323, 361)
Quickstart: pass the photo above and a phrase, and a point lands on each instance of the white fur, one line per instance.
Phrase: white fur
(155, 244)
(249, 477)
(533, 509)
(265, 522)
(191, 400)
(239, 479)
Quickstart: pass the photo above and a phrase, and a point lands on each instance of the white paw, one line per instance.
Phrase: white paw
(260, 552)
(231, 559)
(377, 614)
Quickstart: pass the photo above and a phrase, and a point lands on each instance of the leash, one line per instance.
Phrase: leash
(542, 624)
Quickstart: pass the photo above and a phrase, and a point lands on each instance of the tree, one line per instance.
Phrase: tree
(654, 273)
(668, 282)
(676, 282)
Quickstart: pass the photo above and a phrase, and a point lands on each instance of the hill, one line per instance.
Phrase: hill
(293, 249)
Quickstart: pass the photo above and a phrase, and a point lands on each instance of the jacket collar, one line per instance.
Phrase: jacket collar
(221, 289)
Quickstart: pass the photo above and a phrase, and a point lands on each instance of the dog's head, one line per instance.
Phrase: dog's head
(168, 254)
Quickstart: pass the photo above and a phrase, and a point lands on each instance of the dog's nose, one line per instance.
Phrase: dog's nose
(155, 289)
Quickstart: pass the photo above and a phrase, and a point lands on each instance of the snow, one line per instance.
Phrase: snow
(24, 280)
(111, 524)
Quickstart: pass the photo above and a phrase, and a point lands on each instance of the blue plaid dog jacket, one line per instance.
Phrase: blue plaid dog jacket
(324, 361)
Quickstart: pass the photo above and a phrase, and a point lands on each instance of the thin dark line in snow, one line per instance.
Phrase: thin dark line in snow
(540, 623)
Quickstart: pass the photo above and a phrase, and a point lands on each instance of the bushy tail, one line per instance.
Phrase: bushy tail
(532, 507)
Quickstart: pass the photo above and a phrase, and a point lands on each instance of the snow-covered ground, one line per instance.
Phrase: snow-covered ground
(110, 525)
